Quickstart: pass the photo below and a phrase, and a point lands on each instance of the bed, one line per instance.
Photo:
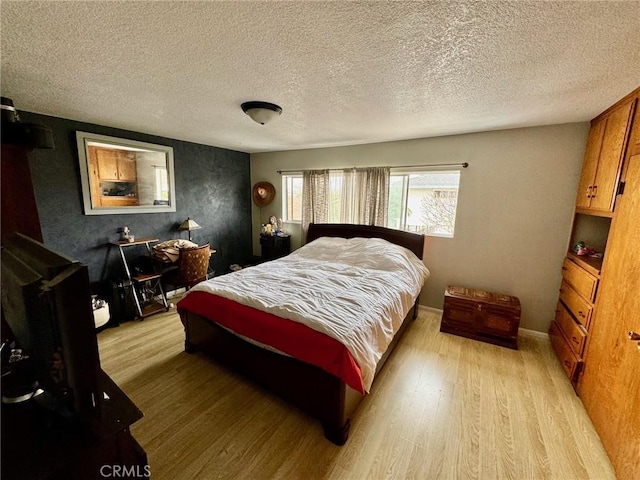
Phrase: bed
(328, 391)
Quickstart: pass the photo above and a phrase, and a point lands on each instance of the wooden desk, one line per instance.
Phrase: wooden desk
(146, 287)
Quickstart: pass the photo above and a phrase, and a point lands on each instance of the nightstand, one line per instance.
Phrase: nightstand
(275, 246)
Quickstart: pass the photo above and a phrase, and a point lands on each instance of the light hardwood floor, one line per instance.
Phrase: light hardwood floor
(442, 407)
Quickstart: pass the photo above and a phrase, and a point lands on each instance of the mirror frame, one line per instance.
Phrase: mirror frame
(83, 140)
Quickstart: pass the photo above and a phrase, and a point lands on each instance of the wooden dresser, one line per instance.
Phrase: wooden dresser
(596, 328)
(598, 190)
(481, 315)
(574, 312)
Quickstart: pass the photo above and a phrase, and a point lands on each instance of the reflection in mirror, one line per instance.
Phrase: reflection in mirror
(125, 176)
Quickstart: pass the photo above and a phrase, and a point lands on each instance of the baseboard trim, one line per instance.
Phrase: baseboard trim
(175, 293)
(532, 333)
(429, 309)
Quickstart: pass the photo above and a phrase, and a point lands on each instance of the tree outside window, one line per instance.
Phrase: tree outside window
(424, 202)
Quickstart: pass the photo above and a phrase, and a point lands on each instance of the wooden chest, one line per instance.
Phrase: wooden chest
(490, 317)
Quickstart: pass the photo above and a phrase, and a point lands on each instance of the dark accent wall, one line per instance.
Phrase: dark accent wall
(213, 187)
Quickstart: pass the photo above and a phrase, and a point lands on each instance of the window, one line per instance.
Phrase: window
(419, 201)
(292, 198)
(162, 185)
(423, 202)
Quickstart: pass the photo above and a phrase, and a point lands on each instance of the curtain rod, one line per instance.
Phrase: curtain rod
(463, 165)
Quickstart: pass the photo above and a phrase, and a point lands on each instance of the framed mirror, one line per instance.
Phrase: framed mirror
(125, 176)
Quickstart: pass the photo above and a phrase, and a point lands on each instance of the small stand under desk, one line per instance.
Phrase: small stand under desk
(146, 287)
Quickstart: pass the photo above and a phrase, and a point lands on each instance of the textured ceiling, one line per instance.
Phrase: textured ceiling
(344, 72)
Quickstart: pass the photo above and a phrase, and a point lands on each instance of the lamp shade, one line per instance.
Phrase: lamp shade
(189, 224)
(261, 112)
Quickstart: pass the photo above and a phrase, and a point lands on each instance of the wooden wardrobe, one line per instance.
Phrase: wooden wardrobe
(596, 330)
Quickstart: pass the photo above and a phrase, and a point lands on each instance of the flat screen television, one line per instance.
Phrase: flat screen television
(46, 301)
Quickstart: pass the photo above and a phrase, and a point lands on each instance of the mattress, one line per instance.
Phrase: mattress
(355, 292)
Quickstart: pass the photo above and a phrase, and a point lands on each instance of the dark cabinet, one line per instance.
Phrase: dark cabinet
(40, 444)
(275, 246)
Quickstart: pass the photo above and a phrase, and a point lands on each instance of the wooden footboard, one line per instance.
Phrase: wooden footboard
(320, 394)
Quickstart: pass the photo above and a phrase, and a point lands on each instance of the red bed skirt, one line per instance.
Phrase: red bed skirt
(287, 336)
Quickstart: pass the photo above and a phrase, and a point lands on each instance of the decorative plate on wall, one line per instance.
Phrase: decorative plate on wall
(263, 194)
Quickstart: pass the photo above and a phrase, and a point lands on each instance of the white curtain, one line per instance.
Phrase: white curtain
(315, 193)
(358, 196)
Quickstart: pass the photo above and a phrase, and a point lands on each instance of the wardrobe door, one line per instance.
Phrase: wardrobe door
(611, 156)
(610, 387)
(590, 163)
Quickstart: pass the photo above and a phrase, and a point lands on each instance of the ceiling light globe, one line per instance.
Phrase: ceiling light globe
(261, 112)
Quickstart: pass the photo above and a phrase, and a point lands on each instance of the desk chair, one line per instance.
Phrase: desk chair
(192, 267)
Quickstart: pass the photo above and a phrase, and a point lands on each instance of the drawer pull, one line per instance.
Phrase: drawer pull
(575, 340)
(567, 363)
(581, 314)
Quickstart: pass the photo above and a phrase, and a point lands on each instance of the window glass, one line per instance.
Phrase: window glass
(292, 198)
(424, 202)
(162, 185)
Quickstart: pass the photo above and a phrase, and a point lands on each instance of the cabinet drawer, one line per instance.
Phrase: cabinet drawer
(573, 333)
(578, 306)
(582, 281)
(570, 363)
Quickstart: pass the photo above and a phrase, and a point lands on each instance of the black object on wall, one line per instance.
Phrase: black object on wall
(15, 132)
(213, 186)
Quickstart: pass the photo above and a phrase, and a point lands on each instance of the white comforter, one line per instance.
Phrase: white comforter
(356, 291)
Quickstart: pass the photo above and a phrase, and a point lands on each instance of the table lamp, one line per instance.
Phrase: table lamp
(189, 225)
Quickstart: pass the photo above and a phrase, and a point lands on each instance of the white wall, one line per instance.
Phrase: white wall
(514, 214)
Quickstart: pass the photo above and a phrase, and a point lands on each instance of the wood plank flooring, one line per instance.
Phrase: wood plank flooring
(443, 407)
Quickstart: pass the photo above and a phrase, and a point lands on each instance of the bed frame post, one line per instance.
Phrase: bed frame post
(337, 434)
(188, 346)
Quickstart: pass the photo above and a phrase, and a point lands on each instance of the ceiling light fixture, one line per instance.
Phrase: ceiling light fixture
(261, 112)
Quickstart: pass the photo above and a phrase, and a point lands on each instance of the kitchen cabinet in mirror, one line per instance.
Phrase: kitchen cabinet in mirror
(125, 176)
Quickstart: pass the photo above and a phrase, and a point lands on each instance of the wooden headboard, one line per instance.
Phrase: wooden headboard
(412, 241)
